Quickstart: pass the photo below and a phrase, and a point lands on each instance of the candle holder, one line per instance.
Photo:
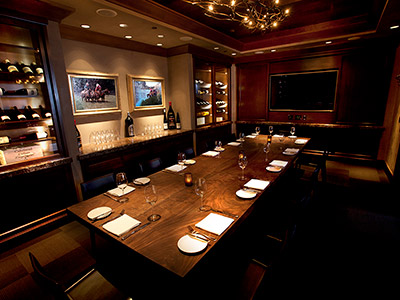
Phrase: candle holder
(188, 179)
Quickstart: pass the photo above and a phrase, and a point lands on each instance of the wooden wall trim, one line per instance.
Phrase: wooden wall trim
(88, 36)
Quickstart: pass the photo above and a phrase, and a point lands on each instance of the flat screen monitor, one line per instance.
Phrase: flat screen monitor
(308, 91)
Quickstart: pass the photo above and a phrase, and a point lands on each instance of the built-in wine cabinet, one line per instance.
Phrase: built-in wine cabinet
(27, 130)
(212, 98)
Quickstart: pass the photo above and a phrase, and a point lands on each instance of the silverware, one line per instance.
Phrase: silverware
(102, 215)
(199, 234)
(117, 216)
(117, 199)
(135, 230)
(224, 213)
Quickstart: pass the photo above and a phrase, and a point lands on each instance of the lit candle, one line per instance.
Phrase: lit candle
(188, 179)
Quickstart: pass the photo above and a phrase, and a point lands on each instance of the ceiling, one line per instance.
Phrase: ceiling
(310, 23)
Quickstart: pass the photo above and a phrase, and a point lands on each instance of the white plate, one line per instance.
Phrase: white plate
(190, 162)
(141, 181)
(98, 211)
(189, 244)
(289, 153)
(245, 194)
(274, 169)
(292, 136)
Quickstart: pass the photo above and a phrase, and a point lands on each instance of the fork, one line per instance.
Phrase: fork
(193, 231)
(120, 214)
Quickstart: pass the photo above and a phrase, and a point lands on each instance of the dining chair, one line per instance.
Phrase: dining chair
(314, 161)
(92, 285)
(189, 152)
(97, 186)
(153, 165)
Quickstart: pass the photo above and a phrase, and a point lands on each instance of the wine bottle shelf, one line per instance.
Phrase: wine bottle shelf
(24, 124)
(20, 78)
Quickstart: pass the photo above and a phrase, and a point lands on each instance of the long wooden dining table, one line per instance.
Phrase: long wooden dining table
(179, 205)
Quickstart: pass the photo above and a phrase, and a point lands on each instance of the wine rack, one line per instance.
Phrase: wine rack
(211, 93)
(25, 87)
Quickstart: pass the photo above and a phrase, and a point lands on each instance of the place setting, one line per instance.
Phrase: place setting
(290, 151)
(123, 188)
(252, 188)
(276, 165)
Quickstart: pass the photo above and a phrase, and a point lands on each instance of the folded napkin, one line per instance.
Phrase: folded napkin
(251, 136)
(234, 144)
(176, 168)
(121, 225)
(293, 150)
(118, 192)
(278, 163)
(257, 184)
(278, 135)
(215, 223)
(211, 153)
(300, 141)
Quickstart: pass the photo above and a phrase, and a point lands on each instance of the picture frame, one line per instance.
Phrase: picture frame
(93, 93)
(146, 92)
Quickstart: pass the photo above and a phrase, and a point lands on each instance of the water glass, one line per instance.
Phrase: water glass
(292, 130)
(200, 189)
(271, 129)
(150, 194)
(122, 181)
(258, 130)
(242, 164)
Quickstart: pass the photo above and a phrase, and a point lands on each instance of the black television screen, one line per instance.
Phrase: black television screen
(309, 91)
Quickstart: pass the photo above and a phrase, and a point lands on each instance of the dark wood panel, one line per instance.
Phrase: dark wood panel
(304, 65)
(252, 92)
(206, 136)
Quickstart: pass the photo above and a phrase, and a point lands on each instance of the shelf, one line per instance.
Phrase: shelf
(14, 77)
(24, 124)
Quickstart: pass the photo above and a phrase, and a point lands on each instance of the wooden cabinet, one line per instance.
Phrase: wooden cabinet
(212, 92)
(24, 86)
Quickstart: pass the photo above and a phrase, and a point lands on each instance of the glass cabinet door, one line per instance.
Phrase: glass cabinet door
(221, 94)
(203, 93)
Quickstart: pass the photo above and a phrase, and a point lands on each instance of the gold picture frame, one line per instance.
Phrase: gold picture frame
(146, 92)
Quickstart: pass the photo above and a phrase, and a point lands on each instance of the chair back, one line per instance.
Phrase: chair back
(153, 165)
(97, 186)
(51, 284)
(189, 152)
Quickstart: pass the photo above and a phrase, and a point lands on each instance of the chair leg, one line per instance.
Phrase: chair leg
(252, 279)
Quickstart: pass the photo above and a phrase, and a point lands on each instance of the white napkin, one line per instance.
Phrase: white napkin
(257, 184)
(300, 141)
(278, 135)
(118, 192)
(279, 163)
(121, 225)
(234, 144)
(293, 150)
(251, 136)
(215, 223)
(176, 168)
(211, 153)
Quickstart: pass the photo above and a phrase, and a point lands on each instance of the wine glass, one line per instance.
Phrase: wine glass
(122, 181)
(150, 194)
(200, 189)
(267, 149)
(181, 159)
(271, 129)
(281, 140)
(258, 130)
(242, 161)
(241, 135)
(292, 130)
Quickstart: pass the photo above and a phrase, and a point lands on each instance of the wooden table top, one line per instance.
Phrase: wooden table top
(178, 204)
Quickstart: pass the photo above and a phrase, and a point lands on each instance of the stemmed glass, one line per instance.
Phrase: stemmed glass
(150, 195)
(266, 149)
(181, 159)
(242, 161)
(292, 130)
(271, 129)
(241, 136)
(121, 181)
(258, 130)
(200, 189)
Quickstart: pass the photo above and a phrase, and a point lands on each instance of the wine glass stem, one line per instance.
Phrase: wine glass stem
(242, 174)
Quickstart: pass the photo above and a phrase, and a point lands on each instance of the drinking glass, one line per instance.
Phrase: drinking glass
(258, 130)
(271, 129)
(292, 130)
(122, 181)
(200, 189)
(241, 135)
(150, 194)
(181, 159)
(266, 149)
(281, 140)
(242, 161)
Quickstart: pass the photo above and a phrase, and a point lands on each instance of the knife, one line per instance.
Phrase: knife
(134, 231)
(102, 215)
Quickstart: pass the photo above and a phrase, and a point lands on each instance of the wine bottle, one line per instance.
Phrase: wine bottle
(3, 116)
(23, 68)
(78, 138)
(178, 121)
(129, 130)
(165, 121)
(31, 114)
(18, 115)
(171, 117)
(2, 91)
(36, 68)
(44, 112)
(9, 66)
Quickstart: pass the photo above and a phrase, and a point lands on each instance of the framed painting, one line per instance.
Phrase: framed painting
(146, 92)
(93, 92)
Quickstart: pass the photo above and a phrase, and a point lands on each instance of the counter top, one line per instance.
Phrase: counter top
(90, 151)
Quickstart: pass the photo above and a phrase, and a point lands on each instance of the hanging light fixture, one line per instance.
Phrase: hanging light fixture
(255, 15)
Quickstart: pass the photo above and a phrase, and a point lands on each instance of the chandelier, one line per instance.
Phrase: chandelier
(253, 14)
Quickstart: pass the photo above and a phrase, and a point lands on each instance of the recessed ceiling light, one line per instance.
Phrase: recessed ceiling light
(259, 52)
(86, 26)
(105, 12)
(128, 36)
(186, 38)
(216, 48)
(394, 27)
(233, 53)
(160, 36)
(123, 25)
(328, 42)
(273, 50)
(159, 45)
